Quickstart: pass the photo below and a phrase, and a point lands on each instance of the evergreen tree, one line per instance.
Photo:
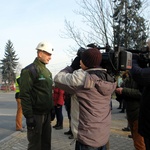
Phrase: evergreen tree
(8, 64)
(129, 27)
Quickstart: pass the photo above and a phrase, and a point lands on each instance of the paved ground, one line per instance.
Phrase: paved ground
(118, 139)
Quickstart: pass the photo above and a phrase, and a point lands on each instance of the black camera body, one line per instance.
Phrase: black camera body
(113, 60)
(119, 59)
(116, 60)
(143, 56)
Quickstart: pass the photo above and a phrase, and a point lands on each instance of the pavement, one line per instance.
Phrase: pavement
(118, 139)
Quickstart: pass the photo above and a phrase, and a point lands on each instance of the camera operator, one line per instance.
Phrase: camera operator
(142, 77)
(91, 88)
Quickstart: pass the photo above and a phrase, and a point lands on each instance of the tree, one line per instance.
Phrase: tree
(109, 22)
(129, 26)
(96, 23)
(8, 64)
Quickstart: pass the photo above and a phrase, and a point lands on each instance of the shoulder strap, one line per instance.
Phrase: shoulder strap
(33, 71)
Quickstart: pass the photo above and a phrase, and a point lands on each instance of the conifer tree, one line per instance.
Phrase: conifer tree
(8, 64)
(129, 26)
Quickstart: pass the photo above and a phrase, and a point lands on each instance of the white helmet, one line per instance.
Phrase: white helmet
(45, 46)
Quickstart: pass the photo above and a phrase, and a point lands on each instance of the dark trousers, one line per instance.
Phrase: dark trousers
(59, 115)
(147, 143)
(40, 137)
(80, 146)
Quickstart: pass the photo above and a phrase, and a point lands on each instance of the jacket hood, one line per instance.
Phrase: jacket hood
(99, 79)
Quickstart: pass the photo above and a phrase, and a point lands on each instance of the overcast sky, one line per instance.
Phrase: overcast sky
(27, 22)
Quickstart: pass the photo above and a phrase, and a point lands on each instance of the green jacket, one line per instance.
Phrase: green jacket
(132, 97)
(36, 94)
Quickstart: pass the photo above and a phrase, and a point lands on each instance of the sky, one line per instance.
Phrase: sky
(28, 22)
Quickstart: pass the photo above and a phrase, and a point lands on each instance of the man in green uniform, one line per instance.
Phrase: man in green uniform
(36, 98)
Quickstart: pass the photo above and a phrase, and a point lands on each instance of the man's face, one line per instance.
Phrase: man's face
(44, 57)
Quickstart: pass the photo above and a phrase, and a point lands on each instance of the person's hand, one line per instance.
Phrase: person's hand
(119, 90)
(76, 63)
(30, 121)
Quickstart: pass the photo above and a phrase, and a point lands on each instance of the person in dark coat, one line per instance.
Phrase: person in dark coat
(36, 98)
(142, 77)
(132, 97)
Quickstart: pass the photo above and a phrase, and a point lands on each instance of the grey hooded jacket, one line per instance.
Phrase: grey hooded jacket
(90, 103)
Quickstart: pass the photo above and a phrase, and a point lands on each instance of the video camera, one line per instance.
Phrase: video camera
(119, 59)
(143, 56)
(113, 60)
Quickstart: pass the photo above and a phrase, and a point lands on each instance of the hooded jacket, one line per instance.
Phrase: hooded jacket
(90, 103)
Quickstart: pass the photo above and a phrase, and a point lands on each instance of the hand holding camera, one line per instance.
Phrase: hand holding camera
(76, 63)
